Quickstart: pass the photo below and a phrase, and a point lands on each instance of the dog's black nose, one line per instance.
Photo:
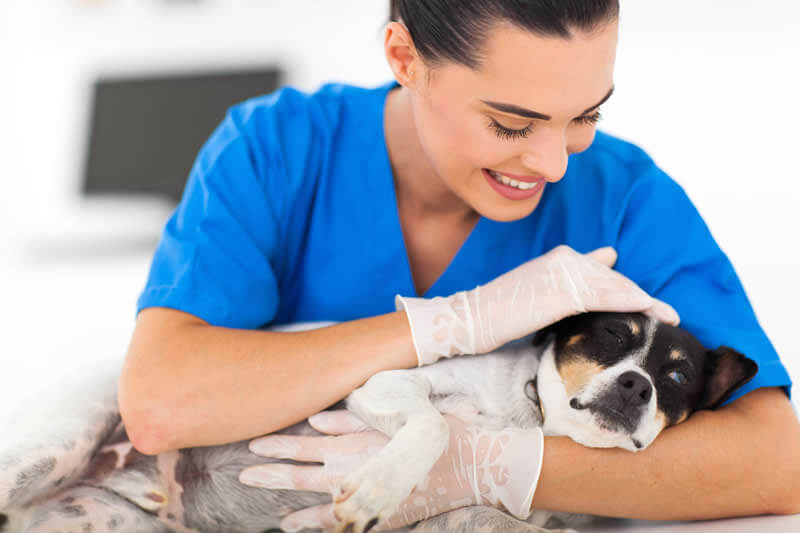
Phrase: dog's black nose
(634, 388)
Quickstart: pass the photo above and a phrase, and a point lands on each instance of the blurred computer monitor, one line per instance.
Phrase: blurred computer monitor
(145, 131)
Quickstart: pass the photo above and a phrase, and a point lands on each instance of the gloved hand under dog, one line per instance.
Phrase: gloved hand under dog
(534, 295)
(481, 466)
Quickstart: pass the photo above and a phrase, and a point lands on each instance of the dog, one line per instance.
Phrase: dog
(602, 379)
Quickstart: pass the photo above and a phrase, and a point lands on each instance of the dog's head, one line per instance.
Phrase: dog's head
(619, 379)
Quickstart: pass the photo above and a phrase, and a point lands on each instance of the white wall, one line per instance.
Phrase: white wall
(708, 87)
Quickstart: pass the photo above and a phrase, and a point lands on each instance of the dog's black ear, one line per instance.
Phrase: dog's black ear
(726, 371)
(541, 336)
(554, 329)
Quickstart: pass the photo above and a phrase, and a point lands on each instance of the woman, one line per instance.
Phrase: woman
(326, 206)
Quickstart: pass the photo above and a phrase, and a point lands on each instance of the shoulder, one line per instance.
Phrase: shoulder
(289, 134)
(295, 131)
(611, 156)
(292, 109)
(620, 169)
(611, 189)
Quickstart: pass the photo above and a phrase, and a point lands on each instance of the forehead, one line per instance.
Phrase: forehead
(597, 337)
(552, 75)
(675, 345)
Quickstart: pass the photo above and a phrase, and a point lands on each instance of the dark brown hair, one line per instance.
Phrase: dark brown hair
(456, 30)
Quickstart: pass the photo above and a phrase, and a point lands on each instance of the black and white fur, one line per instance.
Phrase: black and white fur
(602, 379)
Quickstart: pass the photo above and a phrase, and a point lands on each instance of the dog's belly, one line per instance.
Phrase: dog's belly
(198, 489)
(214, 500)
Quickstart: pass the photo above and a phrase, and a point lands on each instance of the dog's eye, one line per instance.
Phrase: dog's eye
(678, 377)
(617, 335)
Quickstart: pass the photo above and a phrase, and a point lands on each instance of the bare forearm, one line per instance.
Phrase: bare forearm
(201, 385)
(738, 461)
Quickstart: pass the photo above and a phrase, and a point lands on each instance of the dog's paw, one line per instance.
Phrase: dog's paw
(367, 498)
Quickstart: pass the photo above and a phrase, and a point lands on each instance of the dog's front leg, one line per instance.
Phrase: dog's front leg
(397, 403)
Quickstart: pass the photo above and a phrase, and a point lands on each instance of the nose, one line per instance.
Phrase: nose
(548, 158)
(634, 388)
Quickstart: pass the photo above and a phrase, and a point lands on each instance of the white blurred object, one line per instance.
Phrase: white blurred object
(96, 227)
(61, 48)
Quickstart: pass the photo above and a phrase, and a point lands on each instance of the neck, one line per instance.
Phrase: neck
(419, 188)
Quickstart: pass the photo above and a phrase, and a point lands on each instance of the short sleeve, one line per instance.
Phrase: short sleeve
(216, 256)
(666, 247)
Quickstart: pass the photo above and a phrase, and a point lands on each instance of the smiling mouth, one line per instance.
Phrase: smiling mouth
(522, 185)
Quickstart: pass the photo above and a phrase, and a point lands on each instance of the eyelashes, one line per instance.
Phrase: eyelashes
(510, 134)
(592, 119)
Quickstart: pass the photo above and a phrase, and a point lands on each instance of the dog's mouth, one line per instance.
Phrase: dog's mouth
(612, 419)
(608, 418)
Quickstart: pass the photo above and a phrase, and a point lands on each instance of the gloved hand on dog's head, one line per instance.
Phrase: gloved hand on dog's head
(480, 466)
(534, 295)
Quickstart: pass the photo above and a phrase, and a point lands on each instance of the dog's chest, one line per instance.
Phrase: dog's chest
(489, 389)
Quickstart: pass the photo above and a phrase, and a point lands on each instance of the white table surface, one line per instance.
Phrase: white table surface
(765, 524)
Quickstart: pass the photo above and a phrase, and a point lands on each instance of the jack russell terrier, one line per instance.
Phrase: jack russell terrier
(602, 379)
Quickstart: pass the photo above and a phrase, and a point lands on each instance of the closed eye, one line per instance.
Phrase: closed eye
(506, 133)
(589, 120)
(617, 335)
(509, 133)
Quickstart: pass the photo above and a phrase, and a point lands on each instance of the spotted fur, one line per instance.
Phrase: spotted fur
(74, 470)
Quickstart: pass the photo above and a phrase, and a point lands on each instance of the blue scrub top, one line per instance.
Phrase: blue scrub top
(290, 215)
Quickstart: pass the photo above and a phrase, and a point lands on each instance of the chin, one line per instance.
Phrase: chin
(504, 210)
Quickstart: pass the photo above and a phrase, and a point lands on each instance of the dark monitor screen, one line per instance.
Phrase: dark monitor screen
(145, 132)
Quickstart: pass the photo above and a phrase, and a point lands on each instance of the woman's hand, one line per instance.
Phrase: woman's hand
(479, 466)
(534, 295)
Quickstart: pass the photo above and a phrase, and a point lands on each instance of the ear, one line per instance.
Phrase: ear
(726, 371)
(401, 55)
(541, 336)
(544, 334)
(557, 328)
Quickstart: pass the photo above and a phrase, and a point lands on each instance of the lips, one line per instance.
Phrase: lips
(614, 417)
(527, 179)
(511, 188)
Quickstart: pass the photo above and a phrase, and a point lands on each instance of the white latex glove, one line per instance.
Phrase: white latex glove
(480, 466)
(534, 295)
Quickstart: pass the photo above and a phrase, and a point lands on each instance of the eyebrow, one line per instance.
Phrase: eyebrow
(528, 113)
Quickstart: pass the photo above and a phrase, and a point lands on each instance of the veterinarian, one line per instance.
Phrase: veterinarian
(467, 203)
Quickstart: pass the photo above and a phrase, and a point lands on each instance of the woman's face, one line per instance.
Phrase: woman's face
(533, 101)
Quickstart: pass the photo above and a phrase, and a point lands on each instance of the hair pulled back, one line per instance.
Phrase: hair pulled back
(456, 30)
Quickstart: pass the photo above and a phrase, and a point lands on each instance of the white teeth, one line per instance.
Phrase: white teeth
(521, 185)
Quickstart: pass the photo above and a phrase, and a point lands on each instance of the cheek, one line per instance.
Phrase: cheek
(458, 140)
(576, 373)
(674, 406)
(580, 138)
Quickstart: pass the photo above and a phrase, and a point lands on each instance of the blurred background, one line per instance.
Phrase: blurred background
(708, 87)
